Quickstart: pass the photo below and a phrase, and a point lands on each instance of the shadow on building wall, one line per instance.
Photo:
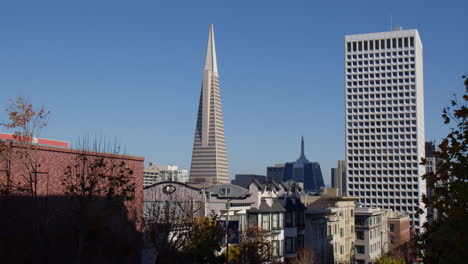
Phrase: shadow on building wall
(64, 229)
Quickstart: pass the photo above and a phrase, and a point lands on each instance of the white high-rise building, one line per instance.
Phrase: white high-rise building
(385, 120)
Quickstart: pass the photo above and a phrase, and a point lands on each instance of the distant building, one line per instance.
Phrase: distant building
(329, 227)
(150, 174)
(371, 234)
(398, 229)
(302, 170)
(431, 166)
(156, 173)
(244, 180)
(384, 93)
(209, 158)
(338, 177)
(275, 173)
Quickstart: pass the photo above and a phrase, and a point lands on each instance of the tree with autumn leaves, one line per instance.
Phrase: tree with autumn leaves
(89, 221)
(445, 240)
(25, 122)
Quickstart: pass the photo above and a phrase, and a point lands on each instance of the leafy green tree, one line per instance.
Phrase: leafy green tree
(445, 240)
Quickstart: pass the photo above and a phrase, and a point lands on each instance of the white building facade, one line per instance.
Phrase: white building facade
(156, 173)
(385, 120)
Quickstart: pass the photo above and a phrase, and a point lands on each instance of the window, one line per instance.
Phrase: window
(288, 219)
(253, 220)
(290, 245)
(392, 228)
(275, 221)
(266, 221)
(360, 249)
(275, 248)
(359, 235)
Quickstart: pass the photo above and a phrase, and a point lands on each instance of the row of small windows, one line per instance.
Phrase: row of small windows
(380, 109)
(382, 95)
(381, 130)
(380, 44)
(368, 117)
(383, 179)
(383, 88)
(382, 144)
(380, 75)
(401, 203)
(378, 55)
(386, 116)
(383, 151)
(383, 172)
(366, 103)
(383, 165)
(378, 62)
(378, 82)
(389, 102)
(388, 194)
(381, 158)
(372, 124)
(384, 137)
(364, 193)
(381, 68)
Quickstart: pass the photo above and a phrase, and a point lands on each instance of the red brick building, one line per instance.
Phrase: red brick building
(398, 229)
(45, 225)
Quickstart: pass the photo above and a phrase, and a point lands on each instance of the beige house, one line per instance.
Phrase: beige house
(329, 226)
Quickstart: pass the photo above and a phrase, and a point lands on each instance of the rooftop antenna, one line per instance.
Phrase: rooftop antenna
(391, 22)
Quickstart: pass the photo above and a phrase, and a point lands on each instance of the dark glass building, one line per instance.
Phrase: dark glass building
(302, 170)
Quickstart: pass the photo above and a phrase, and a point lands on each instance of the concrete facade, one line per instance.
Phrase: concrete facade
(398, 229)
(338, 176)
(329, 227)
(385, 120)
(371, 234)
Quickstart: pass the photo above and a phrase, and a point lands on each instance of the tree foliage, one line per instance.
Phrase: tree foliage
(25, 123)
(304, 256)
(205, 240)
(444, 240)
(255, 247)
(385, 259)
(178, 233)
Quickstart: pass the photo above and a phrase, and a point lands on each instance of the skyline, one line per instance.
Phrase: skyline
(131, 55)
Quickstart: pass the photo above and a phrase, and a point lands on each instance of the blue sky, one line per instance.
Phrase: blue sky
(131, 70)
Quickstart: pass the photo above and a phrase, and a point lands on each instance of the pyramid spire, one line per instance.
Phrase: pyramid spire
(210, 59)
(209, 158)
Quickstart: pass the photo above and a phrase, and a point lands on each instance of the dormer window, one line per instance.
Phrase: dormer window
(225, 191)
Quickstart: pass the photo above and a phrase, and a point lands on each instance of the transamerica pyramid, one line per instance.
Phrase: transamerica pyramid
(209, 158)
